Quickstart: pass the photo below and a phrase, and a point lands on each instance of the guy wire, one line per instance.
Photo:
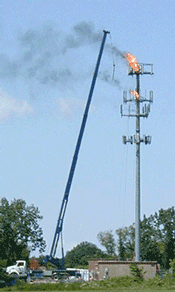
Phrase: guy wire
(123, 183)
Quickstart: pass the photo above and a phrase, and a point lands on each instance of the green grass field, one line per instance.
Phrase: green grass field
(122, 284)
(101, 290)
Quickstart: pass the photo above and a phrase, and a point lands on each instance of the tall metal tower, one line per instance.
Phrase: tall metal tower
(137, 112)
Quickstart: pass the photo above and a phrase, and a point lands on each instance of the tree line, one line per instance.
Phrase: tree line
(20, 232)
(157, 241)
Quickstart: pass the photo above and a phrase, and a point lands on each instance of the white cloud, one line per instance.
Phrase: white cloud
(67, 106)
(10, 106)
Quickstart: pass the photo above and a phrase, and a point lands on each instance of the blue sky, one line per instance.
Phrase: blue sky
(46, 72)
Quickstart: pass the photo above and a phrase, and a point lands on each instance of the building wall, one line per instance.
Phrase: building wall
(97, 268)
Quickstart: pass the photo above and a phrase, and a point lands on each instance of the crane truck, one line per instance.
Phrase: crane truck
(58, 232)
(59, 226)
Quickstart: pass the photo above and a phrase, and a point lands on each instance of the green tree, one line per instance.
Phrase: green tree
(19, 229)
(172, 267)
(125, 242)
(121, 246)
(130, 243)
(136, 272)
(166, 225)
(80, 255)
(150, 250)
(107, 240)
(150, 236)
(157, 238)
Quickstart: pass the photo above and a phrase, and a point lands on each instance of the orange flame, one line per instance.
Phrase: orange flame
(135, 93)
(132, 61)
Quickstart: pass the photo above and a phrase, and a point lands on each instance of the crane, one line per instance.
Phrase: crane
(59, 226)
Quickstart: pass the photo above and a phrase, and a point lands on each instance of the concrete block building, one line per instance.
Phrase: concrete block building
(100, 268)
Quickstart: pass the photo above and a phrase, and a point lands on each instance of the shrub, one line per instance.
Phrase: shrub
(3, 263)
(136, 272)
(5, 278)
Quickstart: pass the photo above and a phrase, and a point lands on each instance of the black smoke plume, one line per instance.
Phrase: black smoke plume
(40, 53)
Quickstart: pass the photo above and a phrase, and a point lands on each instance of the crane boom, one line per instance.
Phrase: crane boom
(75, 157)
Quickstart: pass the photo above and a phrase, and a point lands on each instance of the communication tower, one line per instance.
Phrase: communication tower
(141, 110)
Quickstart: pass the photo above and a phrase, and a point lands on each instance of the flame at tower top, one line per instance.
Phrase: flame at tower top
(135, 93)
(132, 61)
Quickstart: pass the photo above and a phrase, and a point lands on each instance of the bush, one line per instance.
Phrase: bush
(157, 282)
(5, 278)
(122, 281)
(3, 263)
(136, 272)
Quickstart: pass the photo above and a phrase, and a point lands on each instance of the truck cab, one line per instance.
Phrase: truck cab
(19, 269)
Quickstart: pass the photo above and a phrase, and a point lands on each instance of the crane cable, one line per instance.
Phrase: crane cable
(112, 54)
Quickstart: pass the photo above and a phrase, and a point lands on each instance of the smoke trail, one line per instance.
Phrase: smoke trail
(40, 52)
(109, 78)
(106, 76)
(116, 52)
(8, 68)
(83, 33)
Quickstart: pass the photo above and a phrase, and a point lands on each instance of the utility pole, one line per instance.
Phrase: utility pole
(135, 97)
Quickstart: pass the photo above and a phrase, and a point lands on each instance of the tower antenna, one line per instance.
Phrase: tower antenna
(134, 97)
